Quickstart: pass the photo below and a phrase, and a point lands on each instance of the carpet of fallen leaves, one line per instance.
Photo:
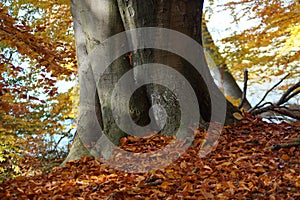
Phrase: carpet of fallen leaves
(240, 167)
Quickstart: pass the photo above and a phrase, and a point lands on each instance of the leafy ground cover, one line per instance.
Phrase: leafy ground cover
(249, 162)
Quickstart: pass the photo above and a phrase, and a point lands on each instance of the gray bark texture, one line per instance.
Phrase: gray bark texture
(228, 84)
(96, 21)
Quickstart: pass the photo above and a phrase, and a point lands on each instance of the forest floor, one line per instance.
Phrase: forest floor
(251, 160)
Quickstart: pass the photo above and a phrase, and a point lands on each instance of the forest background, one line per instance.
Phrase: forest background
(38, 83)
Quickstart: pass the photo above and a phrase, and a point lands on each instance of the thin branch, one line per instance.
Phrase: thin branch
(293, 143)
(285, 97)
(277, 109)
(10, 56)
(287, 113)
(244, 89)
(266, 103)
(292, 95)
(7, 60)
(262, 110)
(266, 94)
(60, 139)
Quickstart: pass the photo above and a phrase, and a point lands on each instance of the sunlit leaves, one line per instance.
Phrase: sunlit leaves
(37, 49)
(271, 46)
(40, 47)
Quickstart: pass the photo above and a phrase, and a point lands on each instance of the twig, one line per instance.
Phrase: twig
(60, 139)
(293, 143)
(266, 94)
(10, 56)
(292, 95)
(286, 112)
(277, 109)
(244, 89)
(264, 104)
(7, 60)
(285, 97)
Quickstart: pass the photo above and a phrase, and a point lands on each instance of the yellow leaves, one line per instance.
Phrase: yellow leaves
(293, 41)
(272, 42)
(264, 42)
(165, 185)
(298, 181)
(2, 158)
(9, 155)
(67, 103)
(16, 169)
(183, 165)
(285, 87)
(285, 157)
(233, 100)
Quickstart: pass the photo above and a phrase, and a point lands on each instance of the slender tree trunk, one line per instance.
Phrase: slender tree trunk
(227, 82)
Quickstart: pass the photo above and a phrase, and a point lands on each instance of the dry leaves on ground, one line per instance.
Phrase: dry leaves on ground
(240, 167)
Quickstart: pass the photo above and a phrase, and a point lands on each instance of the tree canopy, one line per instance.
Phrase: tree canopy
(37, 51)
(269, 45)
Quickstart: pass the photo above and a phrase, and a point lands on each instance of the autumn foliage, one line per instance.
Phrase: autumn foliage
(37, 50)
(269, 45)
(251, 159)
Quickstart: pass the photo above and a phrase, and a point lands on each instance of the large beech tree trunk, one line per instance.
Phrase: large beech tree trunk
(96, 21)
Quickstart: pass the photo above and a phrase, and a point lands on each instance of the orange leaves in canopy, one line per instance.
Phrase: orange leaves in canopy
(16, 108)
(47, 48)
(36, 50)
(21, 37)
(270, 43)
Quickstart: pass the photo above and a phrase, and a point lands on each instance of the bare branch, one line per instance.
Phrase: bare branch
(285, 97)
(278, 109)
(244, 89)
(267, 103)
(292, 95)
(287, 112)
(264, 97)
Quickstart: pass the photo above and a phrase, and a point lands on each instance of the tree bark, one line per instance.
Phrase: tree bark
(96, 21)
(227, 82)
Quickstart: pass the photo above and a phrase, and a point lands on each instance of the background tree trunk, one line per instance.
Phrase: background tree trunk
(228, 84)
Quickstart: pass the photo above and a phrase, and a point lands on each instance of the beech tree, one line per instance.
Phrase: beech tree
(217, 63)
(94, 23)
(38, 48)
